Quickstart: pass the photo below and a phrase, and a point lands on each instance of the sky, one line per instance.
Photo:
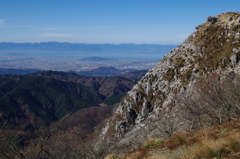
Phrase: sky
(165, 22)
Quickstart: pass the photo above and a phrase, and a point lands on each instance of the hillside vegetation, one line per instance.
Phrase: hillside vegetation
(36, 99)
(51, 114)
(214, 132)
(194, 87)
(186, 107)
(220, 141)
(48, 114)
(49, 96)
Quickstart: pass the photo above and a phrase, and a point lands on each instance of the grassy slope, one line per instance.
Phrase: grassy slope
(220, 141)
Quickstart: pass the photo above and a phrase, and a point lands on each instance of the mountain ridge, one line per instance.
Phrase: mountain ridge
(40, 99)
(49, 96)
(195, 86)
(153, 107)
(63, 46)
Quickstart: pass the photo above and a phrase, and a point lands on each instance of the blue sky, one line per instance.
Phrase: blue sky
(106, 21)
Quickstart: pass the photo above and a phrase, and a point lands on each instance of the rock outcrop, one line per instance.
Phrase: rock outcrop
(150, 108)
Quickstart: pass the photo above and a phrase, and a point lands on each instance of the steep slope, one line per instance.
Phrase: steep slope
(84, 121)
(152, 106)
(106, 87)
(137, 75)
(49, 96)
(219, 141)
(102, 72)
(32, 100)
(49, 113)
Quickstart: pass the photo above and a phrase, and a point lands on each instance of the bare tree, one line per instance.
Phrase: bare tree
(211, 102)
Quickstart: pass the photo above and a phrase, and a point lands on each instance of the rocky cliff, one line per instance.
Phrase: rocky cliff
(151, 107)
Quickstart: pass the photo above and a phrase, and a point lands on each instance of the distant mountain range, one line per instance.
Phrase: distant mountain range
(57, 46)
(95, 58)
(14, 71)
(98, 72)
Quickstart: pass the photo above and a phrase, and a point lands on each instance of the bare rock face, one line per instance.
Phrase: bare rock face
(234, 59)
(151, 108)
(211, 19)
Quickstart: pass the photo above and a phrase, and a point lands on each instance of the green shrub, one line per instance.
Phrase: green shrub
(153, 143)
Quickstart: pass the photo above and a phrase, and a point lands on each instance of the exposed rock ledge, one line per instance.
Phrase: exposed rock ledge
(213, 48)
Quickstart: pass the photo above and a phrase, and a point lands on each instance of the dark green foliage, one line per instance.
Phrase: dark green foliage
(30, 98)
(48, 96)
(56, 73)
(14, 71)
(114, 99)
(102, 72)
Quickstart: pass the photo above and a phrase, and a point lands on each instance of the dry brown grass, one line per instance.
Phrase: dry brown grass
(177, 140)
(153, 142)
(157, 156)
(112, 156)
(210, 36)
(220, 141)
(233, 141)
(138, 154)
(208, 149)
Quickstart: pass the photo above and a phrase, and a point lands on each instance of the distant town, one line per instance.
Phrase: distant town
(79, 57)
(73, 64)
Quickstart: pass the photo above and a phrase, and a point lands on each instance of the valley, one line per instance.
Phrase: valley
(48, 96)
(38, 108)
(185, 106)
(115, 79)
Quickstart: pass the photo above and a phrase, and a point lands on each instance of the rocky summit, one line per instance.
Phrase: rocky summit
(152, 107)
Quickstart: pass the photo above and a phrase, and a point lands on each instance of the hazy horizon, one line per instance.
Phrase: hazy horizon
(89, 43)
(81, 50)
(106, 21)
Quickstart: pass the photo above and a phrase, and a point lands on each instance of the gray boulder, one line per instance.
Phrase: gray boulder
(211, 19)
(230, 18)
(146, 109)
(234, 59)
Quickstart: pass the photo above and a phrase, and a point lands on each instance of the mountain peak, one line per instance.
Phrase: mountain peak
(218, 38)
(229, 18)
(213, 49)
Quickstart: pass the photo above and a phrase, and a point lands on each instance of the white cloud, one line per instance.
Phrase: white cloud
(60, 35)
(63, 28)
(24, 26)
(1, 22)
